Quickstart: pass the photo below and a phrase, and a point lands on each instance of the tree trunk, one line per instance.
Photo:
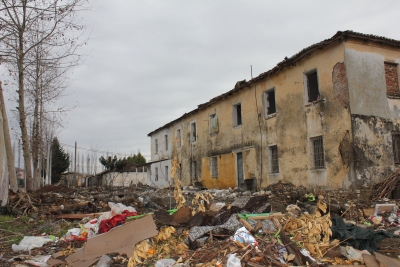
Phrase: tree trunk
(35, 129)
(7, 141)
(22, 117)
(3, 167)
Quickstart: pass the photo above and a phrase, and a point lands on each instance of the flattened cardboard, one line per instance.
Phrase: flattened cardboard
(370, 261)
(386, 261)
(121, 239)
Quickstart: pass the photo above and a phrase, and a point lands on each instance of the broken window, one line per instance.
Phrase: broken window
(237, 115)
(166, 141)
(317, 150)
(392, 80)
(156, 174)
(156, 144)
(273, 159)
(213, 124)
(214, 167)
(193, 134)
(396, 148)
(312, 86)
(269, 102)
(166, 173)
(178, 138)
(193, 173)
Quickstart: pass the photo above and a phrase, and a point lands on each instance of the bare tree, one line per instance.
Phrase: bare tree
(28, 28)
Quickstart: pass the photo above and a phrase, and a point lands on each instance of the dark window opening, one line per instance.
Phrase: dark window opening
(156, 143)
(396, 148)
(166, 141)
(312, 87)
(237, 115)
(193, 171)
(156, 174)
(269, 102)
(193, 132)
(214, 167)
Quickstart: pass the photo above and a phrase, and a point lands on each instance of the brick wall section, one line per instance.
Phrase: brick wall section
(340, 87)
(392, 80)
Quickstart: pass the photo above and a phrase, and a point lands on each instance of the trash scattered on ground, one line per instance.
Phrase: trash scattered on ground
(281, 225)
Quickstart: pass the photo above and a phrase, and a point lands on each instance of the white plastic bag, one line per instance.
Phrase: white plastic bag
(40, 261)
(118, 208)
(243, 236)
(104, 261)
(165, 263)
(30, 242)
(233, 261)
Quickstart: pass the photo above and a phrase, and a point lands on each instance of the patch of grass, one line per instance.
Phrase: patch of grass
(12, 230)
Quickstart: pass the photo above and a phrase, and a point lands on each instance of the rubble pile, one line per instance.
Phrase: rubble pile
(281, 225)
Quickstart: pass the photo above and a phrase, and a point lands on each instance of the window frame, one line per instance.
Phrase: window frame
(166, 172)
(193, 132)
(307, 86)
(390, 92)
(178, 138)
(212, 130)
(265, 101)
(237, 121)
(166, 142)
(273, 159)
(317, 156)
(214, 167)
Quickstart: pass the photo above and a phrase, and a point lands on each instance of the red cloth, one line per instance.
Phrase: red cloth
(107, 225)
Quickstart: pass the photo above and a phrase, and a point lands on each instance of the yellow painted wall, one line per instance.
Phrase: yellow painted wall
(291, 128)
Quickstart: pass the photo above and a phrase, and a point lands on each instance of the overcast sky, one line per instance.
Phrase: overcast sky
(151, 61)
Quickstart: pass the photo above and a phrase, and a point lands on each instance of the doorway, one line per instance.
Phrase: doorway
(239, 168)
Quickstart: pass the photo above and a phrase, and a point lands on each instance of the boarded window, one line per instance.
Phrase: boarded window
(193, 133)
(156, 144)
(156, 174)
(392, 80)
(269, 102)
(166, 141)
(214, 167)
(166, 173)
(396, 148)
(237, 114)
(213, 124)
(317, 150)
(273, 159)
(193, 173)
(312, 86)
(178, 138)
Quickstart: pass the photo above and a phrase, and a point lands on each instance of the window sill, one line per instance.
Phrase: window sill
(315, 102)
(213, 134)
(318, 170)
(393, 96)
(274, 173)
(269, 116)
(237, 126)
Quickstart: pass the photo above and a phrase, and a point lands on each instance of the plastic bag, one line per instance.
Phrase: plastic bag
(118, 208)
(233, 261)
(104, 261)
(242, 235)
(165, 263)
(30, 242)
(40, 261)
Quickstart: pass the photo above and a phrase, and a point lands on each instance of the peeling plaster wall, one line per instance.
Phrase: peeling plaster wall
(291, 128)
(374, 115)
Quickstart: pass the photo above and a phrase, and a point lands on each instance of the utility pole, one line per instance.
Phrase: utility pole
(76, 146)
